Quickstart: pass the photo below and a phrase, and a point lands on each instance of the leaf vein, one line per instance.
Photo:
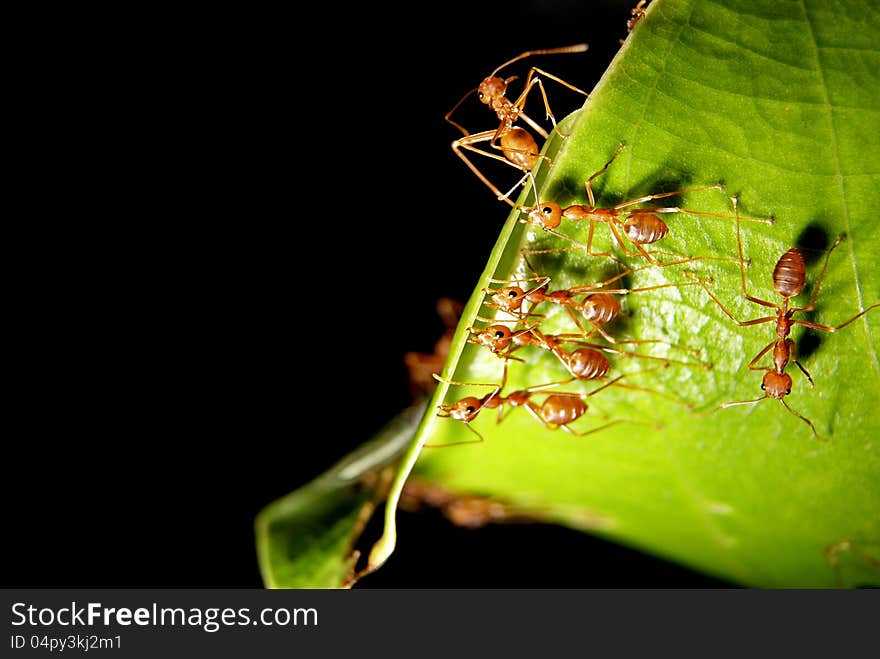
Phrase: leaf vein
(840, 184)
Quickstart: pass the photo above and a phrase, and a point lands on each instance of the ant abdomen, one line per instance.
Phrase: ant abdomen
(789, 273)
(644, 229)
(520, 148)
(600, 308)
(588, 364)
(562, 410)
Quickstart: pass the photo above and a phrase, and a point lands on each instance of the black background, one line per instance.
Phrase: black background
(239, 223)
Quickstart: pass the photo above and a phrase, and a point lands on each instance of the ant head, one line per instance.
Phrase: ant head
(547, 215)
(491, 88)
(777, 385)
(509, 298)
(499, 336)
(464, 410)
(494, 337)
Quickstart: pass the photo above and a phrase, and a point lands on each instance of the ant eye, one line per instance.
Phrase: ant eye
(480, 96)
(763, 387)
(512, 294)
(470, 409)
(788, 391)
(499, 334)
(547, 210)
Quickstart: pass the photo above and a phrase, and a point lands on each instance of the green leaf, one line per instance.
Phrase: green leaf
(306, 539)
(779, 100)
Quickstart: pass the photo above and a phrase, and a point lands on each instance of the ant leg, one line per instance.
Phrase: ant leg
(591, 232)
(793, 349)
(661, 394)
(741, 402)
(815, 294)
(805, 420)
(626, 291)
(741, 323)
(467, 144)
(834, 328)
(555, 250)
(568, 238)
(584, 433)
(589, 181)
(689, 259)
(466, 441)
(533, 81)
(676, 209)
(530, 408)
(624, 353)
(577, 321)
(730, 404)
(456, 383)
(603, 387)
(742, 263)
(688, 211)
(599, 287)
(544, 279)
(663, 195)
(520, 102)
(550, 385)
(515, 316)
(519, 183)
(682, 258)
(640, 250)
(752, 363)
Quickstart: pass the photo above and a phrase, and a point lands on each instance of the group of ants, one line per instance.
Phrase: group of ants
(591, 307)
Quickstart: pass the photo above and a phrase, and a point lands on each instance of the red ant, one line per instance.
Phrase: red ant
(641, 226)
(598, 308)
(585, 363)
(518, 146)
(559, 409)
(789, 276)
